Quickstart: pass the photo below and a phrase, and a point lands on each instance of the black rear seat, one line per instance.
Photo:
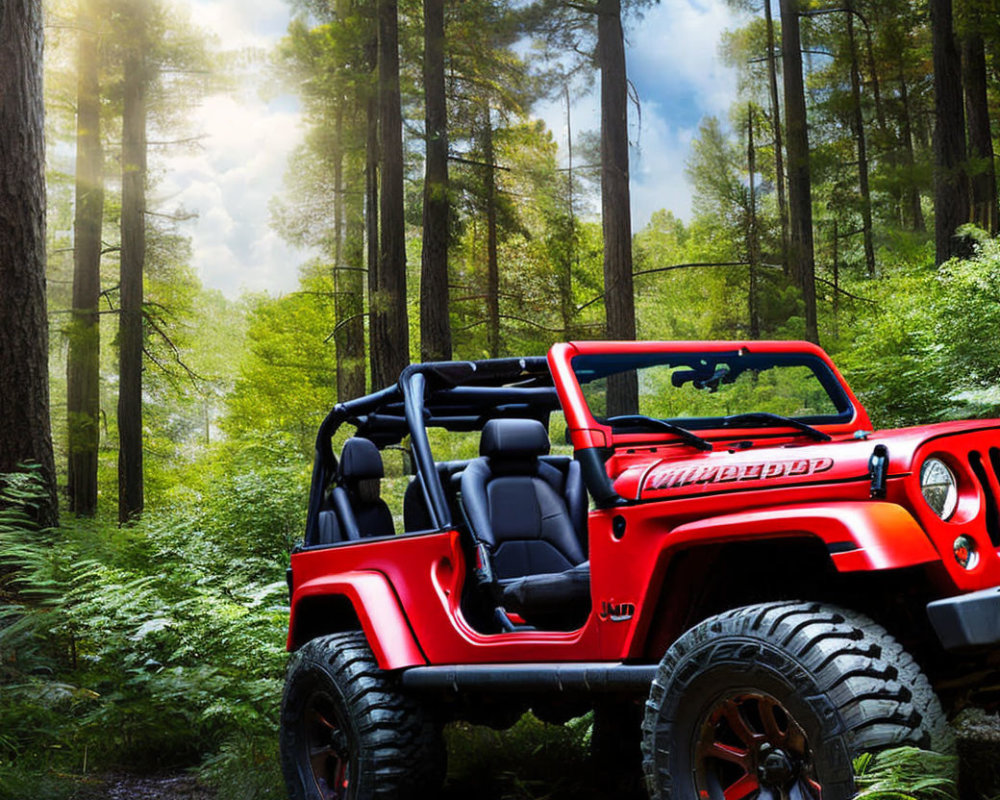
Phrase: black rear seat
(355, 507)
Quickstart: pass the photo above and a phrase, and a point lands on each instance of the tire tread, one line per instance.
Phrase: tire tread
(877, 689)
(402, 753)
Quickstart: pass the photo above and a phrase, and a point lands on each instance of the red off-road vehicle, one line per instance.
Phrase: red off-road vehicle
(726, 562)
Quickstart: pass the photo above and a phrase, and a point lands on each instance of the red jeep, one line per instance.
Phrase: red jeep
(726, 562)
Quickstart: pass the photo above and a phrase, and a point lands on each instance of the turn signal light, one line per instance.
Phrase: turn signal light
(966, 552)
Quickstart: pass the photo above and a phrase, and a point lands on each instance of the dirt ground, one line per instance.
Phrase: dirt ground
(144, 787)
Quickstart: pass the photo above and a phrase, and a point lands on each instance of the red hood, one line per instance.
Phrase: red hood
(788, 464)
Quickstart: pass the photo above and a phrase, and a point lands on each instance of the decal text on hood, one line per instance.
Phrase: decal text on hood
(676, 476)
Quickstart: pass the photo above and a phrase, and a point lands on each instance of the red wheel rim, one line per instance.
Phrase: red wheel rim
(750, 748)
(327, 748)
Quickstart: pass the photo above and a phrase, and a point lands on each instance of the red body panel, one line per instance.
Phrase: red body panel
(406, 590)
(427, 572)
(377, 608)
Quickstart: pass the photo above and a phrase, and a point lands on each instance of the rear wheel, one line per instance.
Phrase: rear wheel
(773, 701)
(348, 734)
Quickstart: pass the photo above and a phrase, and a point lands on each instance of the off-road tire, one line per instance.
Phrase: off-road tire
(840, 678)
(391, 746)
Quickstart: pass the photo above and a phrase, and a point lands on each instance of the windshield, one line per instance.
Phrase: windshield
(697, 389)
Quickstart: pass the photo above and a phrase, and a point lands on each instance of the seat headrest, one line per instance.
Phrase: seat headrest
(514, 439)
(360, 460)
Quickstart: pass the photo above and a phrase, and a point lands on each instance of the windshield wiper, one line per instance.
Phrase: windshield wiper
(639, 420)
(768, 419)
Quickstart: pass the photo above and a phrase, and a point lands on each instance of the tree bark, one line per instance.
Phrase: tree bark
(951, 200)
(616, 220)
(567, 310)
(25, 431)
(909, 159)
(83, 360)
(133, 259)
(983, 173)
(862, 147)
(799, 183)
(779, 159)
(752, 238)
(876, 85)
(492, 264)
(348, 255)
(390, 326)
(372, 195)
(435, 318)
(351, 289)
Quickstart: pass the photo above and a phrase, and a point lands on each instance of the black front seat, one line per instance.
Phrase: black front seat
(531, 517)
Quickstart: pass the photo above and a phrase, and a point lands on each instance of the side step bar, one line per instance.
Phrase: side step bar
(565, 677)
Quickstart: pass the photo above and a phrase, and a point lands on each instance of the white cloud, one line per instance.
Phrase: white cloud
(240, 24)
(230, 177)
(657, 169)
(677, 45)
(229, 183)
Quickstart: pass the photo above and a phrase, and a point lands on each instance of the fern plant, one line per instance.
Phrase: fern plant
(906, 773)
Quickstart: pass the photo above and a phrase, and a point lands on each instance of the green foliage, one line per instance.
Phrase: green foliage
(906, 773)
(287, 375)
(150, 645)
(925, 352)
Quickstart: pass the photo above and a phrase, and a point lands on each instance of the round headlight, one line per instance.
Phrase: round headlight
(938, 486)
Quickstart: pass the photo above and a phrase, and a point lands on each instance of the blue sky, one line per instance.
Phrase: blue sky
(672, 54)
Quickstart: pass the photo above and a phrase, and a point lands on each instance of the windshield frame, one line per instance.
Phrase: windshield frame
(588, 430)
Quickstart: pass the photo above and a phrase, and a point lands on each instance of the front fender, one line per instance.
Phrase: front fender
(377, 608)
(860, 536)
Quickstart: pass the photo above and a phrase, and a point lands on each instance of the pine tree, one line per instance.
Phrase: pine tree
(25, 433)
(83, 360)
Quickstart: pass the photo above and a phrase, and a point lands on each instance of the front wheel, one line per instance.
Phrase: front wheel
(348, 734)
(773, 701)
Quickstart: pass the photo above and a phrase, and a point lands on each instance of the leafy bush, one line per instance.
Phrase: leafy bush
(129, 647)
(928, 352)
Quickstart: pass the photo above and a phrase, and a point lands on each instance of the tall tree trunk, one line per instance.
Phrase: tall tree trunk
(133, 260)
(492, 265)
(836, 277)
(566, 306)
(983, 173)
(876, 85)
(951, 200)
(752, 239)
(25, 432)
(337, 155)
(351, 290)
(372, 197)
(83, 360)
(349, 336)
(862, 148)
(779, 158)
(435, 317)
(390, 327)
(799, 184)
(909, 159)
(616, 219)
